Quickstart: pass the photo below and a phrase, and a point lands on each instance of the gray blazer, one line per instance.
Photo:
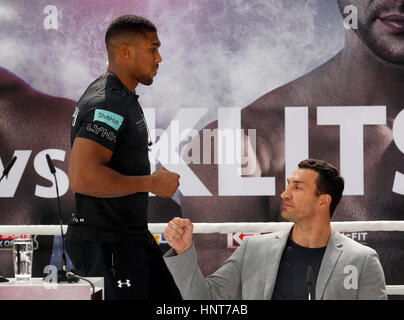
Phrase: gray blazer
(348, 271)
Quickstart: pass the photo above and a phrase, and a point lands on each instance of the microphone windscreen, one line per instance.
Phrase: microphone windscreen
(309, 275)
(9, 166)
(50, 164)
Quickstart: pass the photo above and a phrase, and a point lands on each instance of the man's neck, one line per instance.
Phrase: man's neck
(128, 81)
(311, 235)
(366, 78)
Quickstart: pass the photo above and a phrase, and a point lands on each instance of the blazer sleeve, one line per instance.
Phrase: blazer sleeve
(372, 285)
(224, 284)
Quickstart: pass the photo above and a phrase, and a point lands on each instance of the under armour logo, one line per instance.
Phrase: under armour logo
(127, 283)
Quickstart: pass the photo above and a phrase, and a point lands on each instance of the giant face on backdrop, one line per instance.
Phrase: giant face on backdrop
(380, 27)
(347, 112)
(218, 54)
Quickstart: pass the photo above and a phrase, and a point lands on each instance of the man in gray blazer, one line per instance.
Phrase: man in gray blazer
(309, 260)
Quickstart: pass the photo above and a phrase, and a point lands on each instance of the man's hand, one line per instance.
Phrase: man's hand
(179, 234)
(165, 183)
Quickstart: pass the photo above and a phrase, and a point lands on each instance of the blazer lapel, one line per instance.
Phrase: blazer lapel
(331, 255)
(273, 259)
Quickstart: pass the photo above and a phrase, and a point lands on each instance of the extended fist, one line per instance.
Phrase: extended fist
(165, 183)
(179, 234)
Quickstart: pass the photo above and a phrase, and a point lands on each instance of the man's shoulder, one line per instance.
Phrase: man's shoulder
(18, 97)
(10, 80)
(351, 246)
(310, 89)
(101, 95)
(267, 237)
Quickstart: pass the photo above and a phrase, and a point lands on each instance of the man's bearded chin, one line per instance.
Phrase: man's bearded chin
(146, 81)
(388, 47)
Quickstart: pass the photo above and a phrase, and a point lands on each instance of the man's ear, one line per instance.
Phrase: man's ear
(325, 201)
(125, 52)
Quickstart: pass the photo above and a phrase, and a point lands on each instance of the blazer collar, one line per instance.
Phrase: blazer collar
(273, 259)
(331, 255)
(274, 255)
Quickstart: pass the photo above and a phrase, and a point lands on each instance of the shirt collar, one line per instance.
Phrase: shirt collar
(114, 76)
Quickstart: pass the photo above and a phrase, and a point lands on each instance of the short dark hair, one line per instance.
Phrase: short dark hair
(328, 182)
(128, 24)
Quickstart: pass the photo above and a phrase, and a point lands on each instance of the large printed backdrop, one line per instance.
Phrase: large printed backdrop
(218, 58)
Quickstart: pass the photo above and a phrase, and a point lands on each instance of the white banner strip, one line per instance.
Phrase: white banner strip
(395, 289)
(227, 227)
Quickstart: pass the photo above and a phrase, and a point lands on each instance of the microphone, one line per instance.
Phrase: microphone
(8, 167)
(62, 274)
(309, 281)
(50, 164)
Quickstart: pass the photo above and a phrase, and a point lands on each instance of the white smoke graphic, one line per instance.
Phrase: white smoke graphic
(235, 51)
(215, 53)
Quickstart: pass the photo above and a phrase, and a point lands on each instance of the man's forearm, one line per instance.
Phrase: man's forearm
(103, 182)
(187, 275)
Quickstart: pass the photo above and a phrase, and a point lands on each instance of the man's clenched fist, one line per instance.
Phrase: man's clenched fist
(179, 234)
(165, 183)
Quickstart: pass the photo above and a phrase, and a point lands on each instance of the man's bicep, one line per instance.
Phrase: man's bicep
(98, 125)
(86, 154)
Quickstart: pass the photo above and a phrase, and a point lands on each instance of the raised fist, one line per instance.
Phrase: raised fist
(179, 234)
(165, 183)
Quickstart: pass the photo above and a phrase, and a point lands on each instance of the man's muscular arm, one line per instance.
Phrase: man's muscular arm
(90, 175)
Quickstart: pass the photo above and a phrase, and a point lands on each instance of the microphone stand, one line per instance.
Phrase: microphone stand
(63, 274)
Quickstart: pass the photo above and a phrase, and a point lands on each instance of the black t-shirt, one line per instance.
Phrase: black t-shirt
(109, 114)
(292, 273)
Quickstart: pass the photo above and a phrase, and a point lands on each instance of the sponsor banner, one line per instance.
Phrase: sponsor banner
(159, 237)
(234, 240)
(6, 241)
